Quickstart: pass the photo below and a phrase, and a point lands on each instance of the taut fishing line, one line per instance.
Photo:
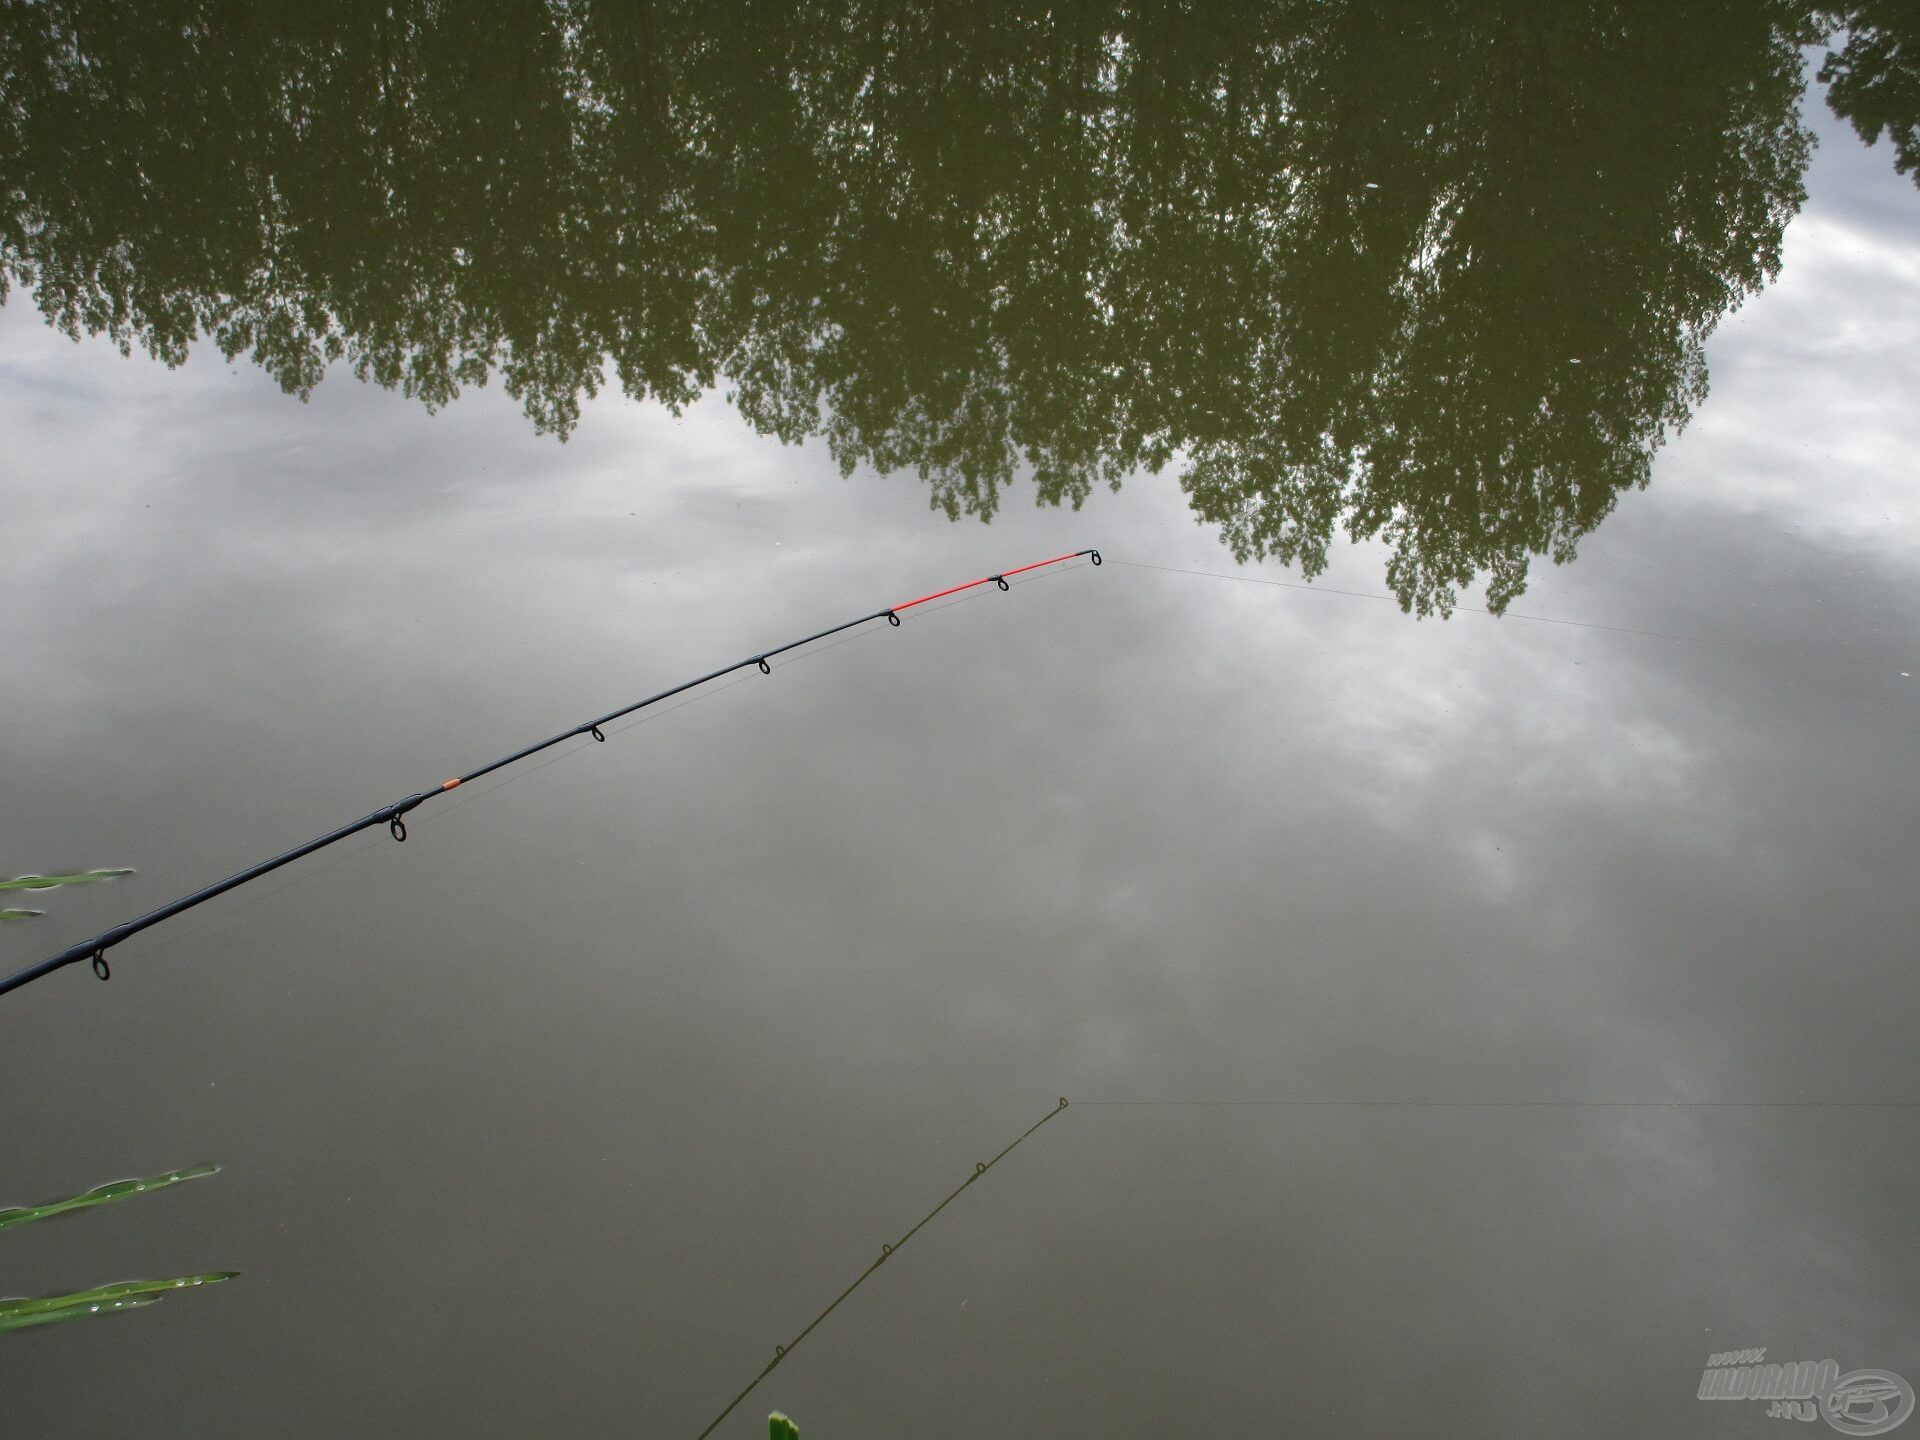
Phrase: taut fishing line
(780, 1352)
(1470, 609)
(393, 816)
(1804, 656)
(1505, 1104)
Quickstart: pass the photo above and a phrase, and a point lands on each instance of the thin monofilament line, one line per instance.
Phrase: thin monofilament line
(1475, 610)
(95, 949)
(780, 1352)
(1470, 609)
(1505, 1104)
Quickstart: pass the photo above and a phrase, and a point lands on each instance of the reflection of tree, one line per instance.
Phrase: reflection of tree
(1875, 76)
(1568, 200)
(1434, 273)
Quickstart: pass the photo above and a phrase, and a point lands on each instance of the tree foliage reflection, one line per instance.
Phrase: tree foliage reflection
(1438, 274)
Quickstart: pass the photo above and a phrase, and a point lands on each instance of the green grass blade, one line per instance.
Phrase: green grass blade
(74, 1312)
(48, 882)
(16, 1313)
(20, 914)
(779, 1427)
(101, 1195)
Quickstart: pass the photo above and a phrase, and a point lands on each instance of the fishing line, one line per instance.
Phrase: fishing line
(1510, 1104)
(780, 1352)
(393, 815)
(1472, 609)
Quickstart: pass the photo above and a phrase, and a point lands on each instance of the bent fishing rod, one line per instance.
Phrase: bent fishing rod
(393, 816)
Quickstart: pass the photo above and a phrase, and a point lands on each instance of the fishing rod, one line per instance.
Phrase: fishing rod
(393, 816)
(780, 1352)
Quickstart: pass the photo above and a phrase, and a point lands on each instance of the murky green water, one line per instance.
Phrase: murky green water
(1566, 951)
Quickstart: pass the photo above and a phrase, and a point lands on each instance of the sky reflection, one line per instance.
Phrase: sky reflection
(559, 1115)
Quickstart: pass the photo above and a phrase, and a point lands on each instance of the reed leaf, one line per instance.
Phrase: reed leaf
(19, 1313)
(48, 882)
(101, 1195)
(74, 1312)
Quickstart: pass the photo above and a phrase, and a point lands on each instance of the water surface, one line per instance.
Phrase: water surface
(560, 1116)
